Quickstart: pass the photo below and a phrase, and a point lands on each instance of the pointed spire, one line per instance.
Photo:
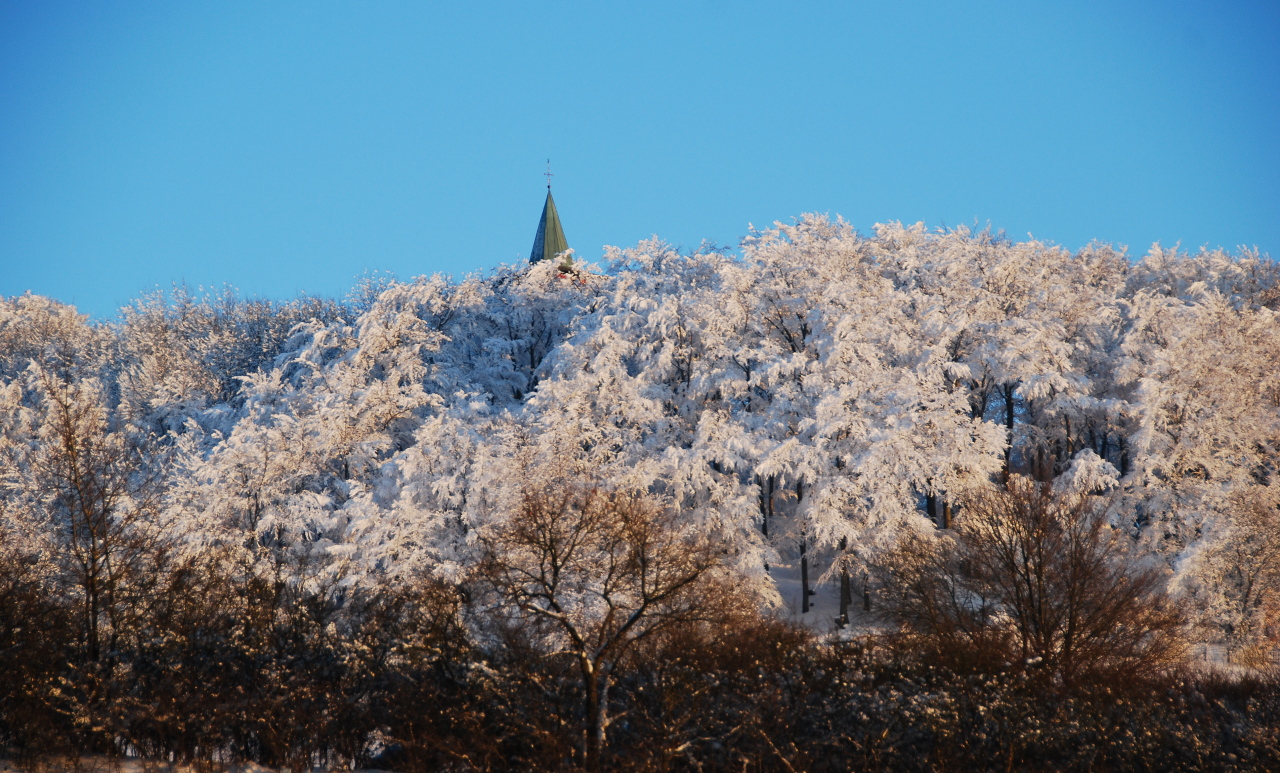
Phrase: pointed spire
(549, 241)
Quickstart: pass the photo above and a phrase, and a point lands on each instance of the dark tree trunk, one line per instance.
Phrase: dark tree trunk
(1008, 424)
(804, 556)
(804, 578)
(766, 507)
(978, 407)
(596, 682)
(91, 620)
(766, 502)
(846, 596)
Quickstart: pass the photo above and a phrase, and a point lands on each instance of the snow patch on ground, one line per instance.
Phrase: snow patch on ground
(824, 604)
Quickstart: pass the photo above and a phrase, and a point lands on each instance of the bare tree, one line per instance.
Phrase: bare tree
(604, 570)
(100, 501)
(1038, 576)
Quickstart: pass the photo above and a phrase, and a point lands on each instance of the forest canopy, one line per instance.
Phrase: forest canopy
(817, 400)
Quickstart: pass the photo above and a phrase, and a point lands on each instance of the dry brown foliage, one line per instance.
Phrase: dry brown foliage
(1032, 578)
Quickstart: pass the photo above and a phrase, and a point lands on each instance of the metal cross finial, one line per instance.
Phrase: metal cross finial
(548, 174)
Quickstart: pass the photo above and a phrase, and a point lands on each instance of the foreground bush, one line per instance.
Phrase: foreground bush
(402, 687)
(1035, 576)
(601, 633)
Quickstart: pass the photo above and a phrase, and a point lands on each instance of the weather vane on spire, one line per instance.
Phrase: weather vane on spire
(549, 241)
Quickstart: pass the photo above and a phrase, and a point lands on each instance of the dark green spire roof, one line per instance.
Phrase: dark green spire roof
(550, 241)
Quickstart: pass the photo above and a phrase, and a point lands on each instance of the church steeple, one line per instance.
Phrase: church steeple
(549, 241)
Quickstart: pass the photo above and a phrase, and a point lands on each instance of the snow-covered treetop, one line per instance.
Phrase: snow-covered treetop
(821, 390)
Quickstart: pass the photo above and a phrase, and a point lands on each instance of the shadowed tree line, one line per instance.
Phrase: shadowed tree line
(599, 634)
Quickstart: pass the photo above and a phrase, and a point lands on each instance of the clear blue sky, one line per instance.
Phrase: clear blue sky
(290, 147)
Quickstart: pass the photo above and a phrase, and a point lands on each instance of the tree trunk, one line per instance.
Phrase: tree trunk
(804, 556)
(596, 682)
(766, 507)
(766, 503)
(91, 620)
(804, 578)
(846, 596)
(1008, 424)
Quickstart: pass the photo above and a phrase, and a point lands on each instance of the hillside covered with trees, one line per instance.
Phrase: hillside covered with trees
(537, 518)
